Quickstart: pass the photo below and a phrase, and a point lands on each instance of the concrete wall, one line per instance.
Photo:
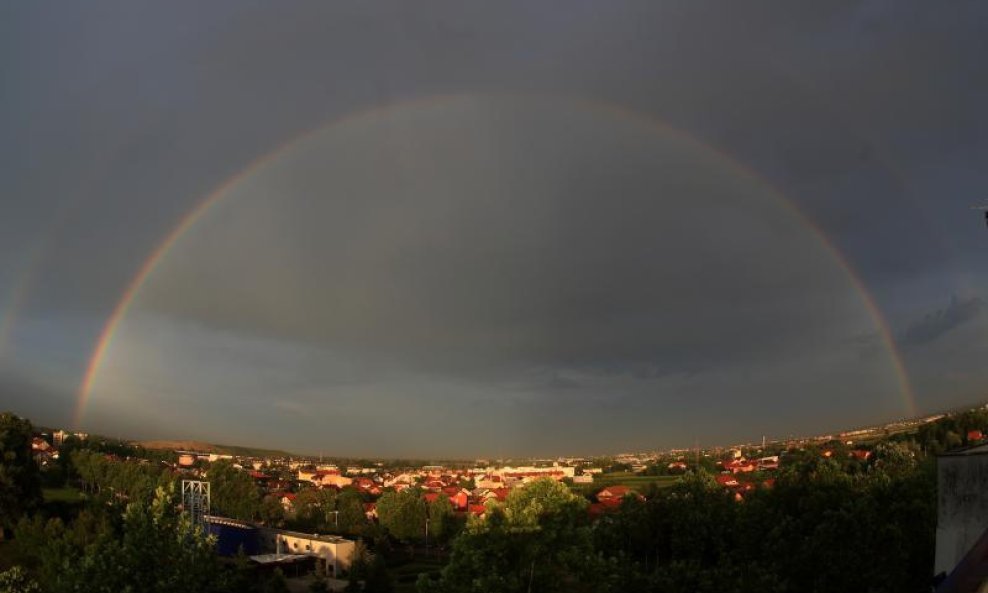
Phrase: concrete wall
(336, 552)
(962, 506)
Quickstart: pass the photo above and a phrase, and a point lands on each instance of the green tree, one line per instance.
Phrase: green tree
(275, 583)
(155, 550)
(896, 458)
(271, 512)
(232, 491)
(20, 485)
(403, 514)
(16, 580)
(316, 510)
(368, 572)
(442, 520)
(539, 541)
(350, 509)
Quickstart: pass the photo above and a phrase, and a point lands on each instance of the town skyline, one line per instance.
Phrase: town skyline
(869, 432)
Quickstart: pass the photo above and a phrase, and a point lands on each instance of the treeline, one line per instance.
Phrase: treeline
(830, 521)
(129, 534)
(63, 471)
(818, 529)
(146, 545)
(948, 432)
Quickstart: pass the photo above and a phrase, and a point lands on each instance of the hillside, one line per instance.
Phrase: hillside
(204, 447)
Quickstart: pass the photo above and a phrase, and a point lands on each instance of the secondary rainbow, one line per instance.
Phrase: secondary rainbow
(189, 220)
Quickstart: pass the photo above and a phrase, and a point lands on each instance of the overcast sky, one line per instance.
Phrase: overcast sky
(493, 229)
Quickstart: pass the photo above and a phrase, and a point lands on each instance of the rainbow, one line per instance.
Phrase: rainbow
(133, 288)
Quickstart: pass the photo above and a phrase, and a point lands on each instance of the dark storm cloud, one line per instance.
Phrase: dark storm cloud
(935, 324)
(118, 117)
(516, 230)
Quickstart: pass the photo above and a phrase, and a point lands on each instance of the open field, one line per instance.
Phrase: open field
(406, 574)
(61, 495)
(630, 479)
(624, 479)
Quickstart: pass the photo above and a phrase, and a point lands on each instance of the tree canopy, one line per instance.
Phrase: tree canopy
(20, 485)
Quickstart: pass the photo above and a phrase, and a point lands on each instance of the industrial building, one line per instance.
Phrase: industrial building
(334, 551)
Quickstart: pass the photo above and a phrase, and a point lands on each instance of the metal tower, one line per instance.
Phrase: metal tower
(195, 500)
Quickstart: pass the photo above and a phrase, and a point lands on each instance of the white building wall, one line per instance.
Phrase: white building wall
(336, 552)
(962, 506)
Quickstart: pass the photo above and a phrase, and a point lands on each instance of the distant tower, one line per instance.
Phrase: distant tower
(195, 500)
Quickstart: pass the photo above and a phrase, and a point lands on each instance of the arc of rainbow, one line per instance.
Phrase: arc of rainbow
(214, 197)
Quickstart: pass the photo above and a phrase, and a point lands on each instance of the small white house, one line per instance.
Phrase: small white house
(335, 551)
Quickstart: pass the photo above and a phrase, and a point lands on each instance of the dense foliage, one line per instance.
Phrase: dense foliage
(540, 540)
(823, 526)
(403, 514)
(20, 487)
(830, 519)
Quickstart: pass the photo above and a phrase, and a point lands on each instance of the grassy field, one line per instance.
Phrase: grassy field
(64, 503)
(61, 495)
(406, 574)
(629, 479)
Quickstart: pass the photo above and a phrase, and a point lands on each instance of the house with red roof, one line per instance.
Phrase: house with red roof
(860, 454)
(431, 497)
(489, 481)
(613, 492)
(459, 497)
(727, 480)
(613, 495)
(738, 466)
(287, 500)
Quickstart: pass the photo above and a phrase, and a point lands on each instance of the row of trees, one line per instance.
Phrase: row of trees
(98, 474)
(818, 529)
(325, 510)
(948, 432)
(20, 484)
(146, 545)
(828, 524)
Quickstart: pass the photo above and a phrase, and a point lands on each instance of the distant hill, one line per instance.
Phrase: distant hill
(204, 447)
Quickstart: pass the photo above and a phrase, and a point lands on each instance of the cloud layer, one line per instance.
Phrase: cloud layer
(513, 269)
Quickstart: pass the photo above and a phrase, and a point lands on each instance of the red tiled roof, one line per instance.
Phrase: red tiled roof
(727, 480)
(430, 497)
(613, 492)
